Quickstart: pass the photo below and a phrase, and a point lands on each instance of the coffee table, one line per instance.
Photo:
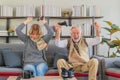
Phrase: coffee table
(42, 78)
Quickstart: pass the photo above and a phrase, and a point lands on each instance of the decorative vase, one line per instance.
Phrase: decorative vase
(67, 13)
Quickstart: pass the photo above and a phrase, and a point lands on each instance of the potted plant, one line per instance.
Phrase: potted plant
(11, 31)
(112, 43)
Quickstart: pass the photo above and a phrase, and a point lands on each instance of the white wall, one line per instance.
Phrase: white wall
(109, 9)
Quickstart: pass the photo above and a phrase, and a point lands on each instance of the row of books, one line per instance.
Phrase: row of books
(84, 10)
(48, 10)
(85, 28)
(6, 10)
(3, 33)
(79, 11)
(25, 10)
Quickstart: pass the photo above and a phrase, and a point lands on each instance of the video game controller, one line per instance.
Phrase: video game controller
(40, 18)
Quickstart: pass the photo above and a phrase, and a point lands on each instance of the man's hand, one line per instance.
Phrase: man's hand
(29, 19)
(97, 28)
(96, 25)
(57, 28)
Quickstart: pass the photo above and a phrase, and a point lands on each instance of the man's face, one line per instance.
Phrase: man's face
(75, 34)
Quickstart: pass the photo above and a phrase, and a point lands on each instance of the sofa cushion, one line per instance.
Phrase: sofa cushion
(117, 63)
(12, 59)
(114, 72)
(6, 69)
(58, 56)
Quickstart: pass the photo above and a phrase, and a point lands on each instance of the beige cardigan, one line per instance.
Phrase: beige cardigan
(76, 58)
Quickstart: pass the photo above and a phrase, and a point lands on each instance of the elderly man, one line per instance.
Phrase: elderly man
(78, 57)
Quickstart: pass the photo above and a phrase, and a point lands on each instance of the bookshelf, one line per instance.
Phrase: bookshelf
(48, 19)
(79, 12)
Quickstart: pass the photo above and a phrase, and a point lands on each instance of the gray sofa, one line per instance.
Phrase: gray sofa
(111, 68)
(11, 65)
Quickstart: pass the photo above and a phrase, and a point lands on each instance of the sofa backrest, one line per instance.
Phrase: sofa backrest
(52, 50)
(15, 48)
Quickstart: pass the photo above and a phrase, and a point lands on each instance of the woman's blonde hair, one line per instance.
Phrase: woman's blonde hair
(35, 29)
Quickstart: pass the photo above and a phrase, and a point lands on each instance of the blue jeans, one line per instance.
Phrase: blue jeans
(37, 69)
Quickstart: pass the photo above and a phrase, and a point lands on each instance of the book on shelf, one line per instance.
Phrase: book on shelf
(3, 33)
(76, 11)
(25, 10)
(6, 10)
(93, 10)
(65, 30)
(85, 10)
(50, 11)
(86, 29)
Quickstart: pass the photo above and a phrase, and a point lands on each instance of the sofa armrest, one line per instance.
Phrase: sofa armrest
(108, 62)
(98, 57)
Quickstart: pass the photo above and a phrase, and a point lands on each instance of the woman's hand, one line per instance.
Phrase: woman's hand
(29, 19)
(42, 19)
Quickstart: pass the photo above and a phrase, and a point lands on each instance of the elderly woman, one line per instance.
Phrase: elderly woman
(35, 45)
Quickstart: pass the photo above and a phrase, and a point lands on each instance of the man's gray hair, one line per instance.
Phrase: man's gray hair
(75, 27)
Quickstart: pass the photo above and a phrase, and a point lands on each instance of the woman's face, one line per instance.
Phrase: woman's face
(35, 31)
(34, 36)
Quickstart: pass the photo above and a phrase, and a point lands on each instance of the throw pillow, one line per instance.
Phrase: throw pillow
(12, 59)
(117, 63)
(58, 56)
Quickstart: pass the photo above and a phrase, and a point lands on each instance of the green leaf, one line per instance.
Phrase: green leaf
(113, 31)
(117, 42)
(107, 29)
(105, 40)
(119, 46)
(112, 45)
(114, 26)
(117, 38)
(108, 22)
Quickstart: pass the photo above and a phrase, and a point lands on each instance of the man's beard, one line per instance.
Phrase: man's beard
(76, 40)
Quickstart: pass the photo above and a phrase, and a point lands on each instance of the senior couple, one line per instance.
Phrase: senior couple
(78, 57)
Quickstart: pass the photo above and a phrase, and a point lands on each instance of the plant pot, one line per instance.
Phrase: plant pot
(11, 33)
